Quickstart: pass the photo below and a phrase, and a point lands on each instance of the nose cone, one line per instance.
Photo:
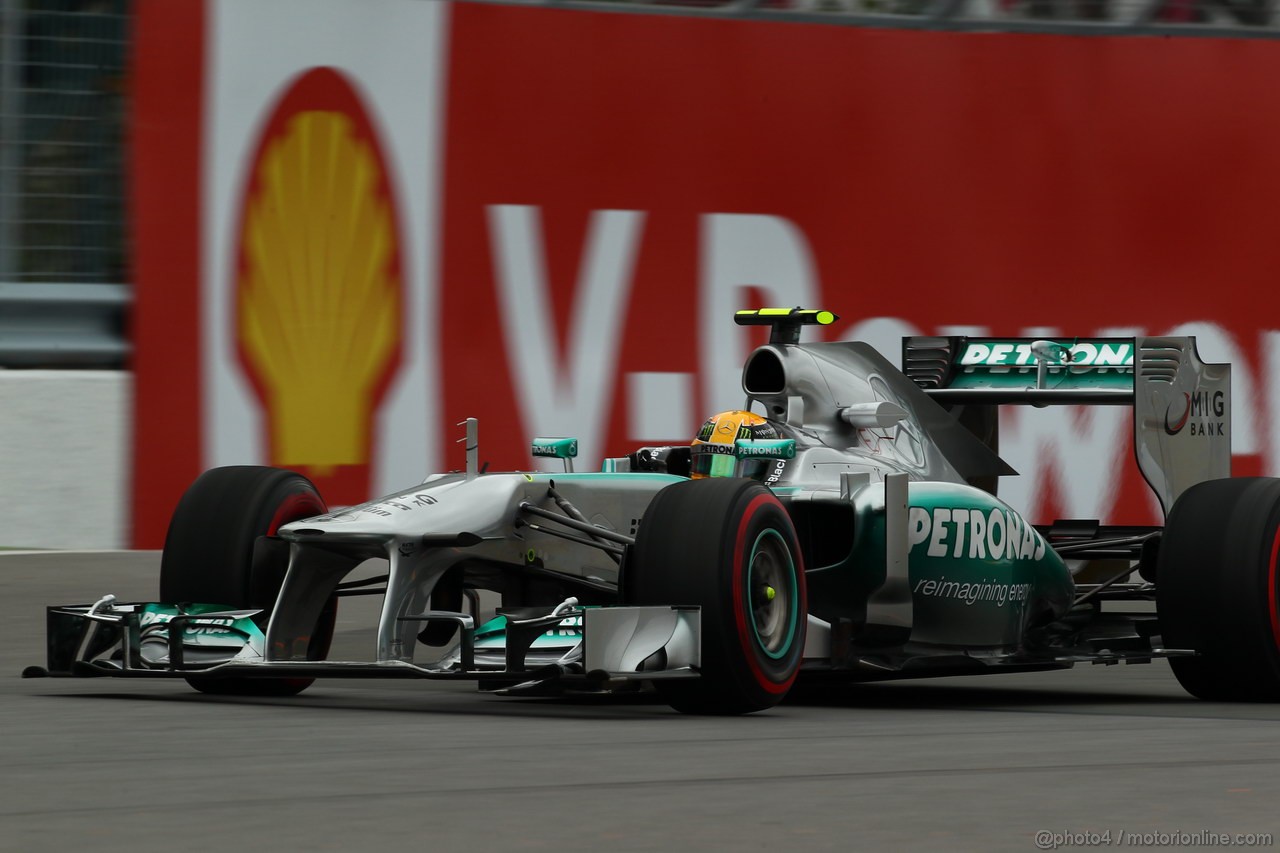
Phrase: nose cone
(445, 508)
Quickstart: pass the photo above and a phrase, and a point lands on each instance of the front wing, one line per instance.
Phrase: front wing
(618, 646)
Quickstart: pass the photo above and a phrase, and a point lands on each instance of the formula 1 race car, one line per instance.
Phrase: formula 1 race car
(855, 534)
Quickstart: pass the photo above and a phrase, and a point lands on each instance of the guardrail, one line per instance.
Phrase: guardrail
(64, 325)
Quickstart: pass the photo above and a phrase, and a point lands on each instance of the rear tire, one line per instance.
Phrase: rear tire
(1216, 589)
(728, 546)
(209, 556)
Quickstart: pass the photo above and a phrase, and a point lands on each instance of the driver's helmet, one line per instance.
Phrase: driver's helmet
(713, 449)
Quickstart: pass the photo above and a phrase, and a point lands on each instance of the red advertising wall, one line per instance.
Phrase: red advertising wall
(164, 138)
(610, 182)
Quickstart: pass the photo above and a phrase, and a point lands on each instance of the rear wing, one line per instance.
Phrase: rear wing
(1042, 372)
(1181, 405)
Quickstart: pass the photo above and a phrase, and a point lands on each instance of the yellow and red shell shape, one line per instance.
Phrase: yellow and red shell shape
(319, 294)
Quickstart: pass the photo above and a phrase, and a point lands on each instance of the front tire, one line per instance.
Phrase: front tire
(209, 556)
(728, 546)
(1216, 589)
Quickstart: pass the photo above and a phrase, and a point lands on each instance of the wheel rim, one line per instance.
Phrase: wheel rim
(771, 594)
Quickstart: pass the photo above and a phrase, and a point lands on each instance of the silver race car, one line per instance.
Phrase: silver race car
(843, 525)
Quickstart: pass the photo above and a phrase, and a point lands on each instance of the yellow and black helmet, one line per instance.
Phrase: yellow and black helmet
(714, 450)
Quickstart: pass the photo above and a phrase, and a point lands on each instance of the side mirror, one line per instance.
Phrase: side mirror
(557, 448)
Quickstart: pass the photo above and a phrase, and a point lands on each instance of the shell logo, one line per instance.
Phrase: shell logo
(319, 295)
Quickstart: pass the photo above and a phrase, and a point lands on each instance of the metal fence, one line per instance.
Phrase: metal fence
(1248, 18)
(62, 103)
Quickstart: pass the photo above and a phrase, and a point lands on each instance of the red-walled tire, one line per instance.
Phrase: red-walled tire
(209, 556)
(728, 546)
(1216, 589)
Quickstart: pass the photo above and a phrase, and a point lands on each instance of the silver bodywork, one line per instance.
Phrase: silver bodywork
(809, 386)
(447, 521)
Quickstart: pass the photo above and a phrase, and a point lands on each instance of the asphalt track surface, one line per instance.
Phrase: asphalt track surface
(970, 764)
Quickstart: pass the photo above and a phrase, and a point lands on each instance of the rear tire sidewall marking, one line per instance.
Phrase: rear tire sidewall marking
(1273, 605)
(1265, 613)
(744, 622)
